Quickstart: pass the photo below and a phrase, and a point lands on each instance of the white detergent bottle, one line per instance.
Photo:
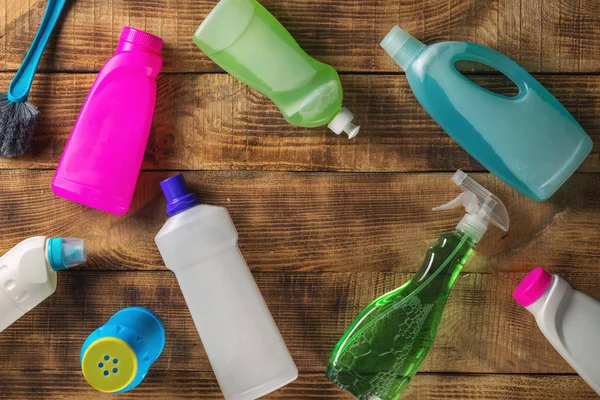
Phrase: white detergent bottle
(28, 273)
(569, 319)
(199, 244)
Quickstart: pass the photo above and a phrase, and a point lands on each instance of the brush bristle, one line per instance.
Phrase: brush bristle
(17, 123)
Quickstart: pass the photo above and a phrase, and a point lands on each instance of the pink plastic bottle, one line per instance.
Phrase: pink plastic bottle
(102, 160)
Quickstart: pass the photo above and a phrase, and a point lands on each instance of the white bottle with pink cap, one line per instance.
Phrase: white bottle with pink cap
(569, 319)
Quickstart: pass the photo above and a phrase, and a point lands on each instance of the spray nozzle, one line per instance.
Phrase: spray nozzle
(481, 205)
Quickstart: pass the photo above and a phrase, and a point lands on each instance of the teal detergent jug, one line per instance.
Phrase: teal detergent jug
(530, 141)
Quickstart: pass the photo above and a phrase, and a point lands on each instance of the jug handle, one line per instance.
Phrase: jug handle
(484, 55)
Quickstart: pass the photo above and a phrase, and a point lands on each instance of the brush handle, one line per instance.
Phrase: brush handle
(18, 91)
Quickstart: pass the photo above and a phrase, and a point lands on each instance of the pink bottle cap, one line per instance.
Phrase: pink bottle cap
(532, 287)
(141, 38)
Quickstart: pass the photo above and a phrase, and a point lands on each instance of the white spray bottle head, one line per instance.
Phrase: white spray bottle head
(481, 205)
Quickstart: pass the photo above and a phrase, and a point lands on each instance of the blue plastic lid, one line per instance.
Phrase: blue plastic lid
(116, 357)
(179, 198)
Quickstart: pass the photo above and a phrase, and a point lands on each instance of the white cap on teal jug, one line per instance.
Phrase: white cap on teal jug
(402, 46)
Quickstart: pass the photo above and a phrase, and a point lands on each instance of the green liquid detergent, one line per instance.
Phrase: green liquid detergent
(248, 42)
(387, 343)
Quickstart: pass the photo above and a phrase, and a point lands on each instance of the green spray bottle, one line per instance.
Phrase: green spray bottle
(247, 41)
(389, 340)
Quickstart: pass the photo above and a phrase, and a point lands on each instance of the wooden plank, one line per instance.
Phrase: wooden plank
(563, 47)
(68, 385)
(554, 36)
(483, 330)
(318, 222)
(214, 122)
(494, 387)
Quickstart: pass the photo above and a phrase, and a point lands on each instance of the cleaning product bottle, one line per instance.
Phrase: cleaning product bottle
(569, 319)
(199, 244)
(530, 141)
(116, 357)
(102, 160)
(28, 273)
(387, 343)
(247, 41)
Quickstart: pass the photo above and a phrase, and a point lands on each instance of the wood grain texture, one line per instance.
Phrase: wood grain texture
(483, 330)
(318, 222)
(67, 385)
(326, 224)
(544, 36)
(213, 122)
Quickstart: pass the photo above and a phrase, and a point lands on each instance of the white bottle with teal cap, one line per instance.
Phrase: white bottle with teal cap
(28, 273)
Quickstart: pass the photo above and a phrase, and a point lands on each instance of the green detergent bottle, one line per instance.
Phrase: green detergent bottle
(247, 41)
(389, 340)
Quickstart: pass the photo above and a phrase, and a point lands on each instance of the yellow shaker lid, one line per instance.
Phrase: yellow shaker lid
(109, 364)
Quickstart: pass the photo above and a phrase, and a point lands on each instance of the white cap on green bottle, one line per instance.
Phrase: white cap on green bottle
(481, 205)
(342, 122)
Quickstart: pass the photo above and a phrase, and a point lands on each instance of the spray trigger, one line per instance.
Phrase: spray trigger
(466, 199)
(482, 207)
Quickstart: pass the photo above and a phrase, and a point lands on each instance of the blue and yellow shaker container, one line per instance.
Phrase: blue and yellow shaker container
(116, 357)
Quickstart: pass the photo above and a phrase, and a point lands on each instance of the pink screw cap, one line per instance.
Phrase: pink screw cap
(140, 38)
(532, 287)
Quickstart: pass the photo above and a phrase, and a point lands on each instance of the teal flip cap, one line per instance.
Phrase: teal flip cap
(64, 253)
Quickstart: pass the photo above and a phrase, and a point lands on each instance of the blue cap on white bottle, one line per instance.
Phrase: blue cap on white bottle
(178, 196)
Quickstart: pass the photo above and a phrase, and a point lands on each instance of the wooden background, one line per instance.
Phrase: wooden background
(326, 223)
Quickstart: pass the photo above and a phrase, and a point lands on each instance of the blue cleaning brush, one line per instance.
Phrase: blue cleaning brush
(18, 116)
